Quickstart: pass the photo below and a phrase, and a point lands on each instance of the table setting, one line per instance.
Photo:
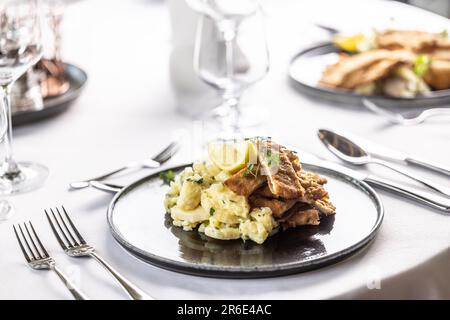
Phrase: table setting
(223, 150)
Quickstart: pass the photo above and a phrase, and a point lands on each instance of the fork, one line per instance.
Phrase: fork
(165, 155)
(39, 259)
(398, 118)
(73, 244)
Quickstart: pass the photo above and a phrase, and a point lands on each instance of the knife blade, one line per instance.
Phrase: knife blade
(429, 199)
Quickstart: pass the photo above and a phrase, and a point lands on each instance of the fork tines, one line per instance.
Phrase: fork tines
(65, 231)
(167, 153)
(31, 252)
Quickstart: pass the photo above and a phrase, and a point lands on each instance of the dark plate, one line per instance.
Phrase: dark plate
(137, 221)
(307, 67)
(53, 106)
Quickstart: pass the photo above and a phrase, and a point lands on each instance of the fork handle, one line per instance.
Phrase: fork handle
(133, 291)
(76, 293)
(85, 183)
(430, 184)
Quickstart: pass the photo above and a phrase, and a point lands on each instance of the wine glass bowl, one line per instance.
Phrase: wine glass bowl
(20, 39)
(231, 55)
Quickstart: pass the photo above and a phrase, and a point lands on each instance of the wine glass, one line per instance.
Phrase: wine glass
(231, 55)
(20, 48)
(225, 9)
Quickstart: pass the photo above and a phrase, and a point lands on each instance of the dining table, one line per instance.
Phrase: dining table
(128, 111)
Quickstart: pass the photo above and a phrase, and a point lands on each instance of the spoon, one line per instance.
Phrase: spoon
(350, 152)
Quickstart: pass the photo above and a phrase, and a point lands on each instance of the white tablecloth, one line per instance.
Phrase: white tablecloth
(128, 112)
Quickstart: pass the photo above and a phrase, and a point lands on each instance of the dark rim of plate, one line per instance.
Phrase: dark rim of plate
(239, 272)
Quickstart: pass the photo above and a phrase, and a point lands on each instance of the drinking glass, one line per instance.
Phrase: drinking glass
(231, 55)
(225, 9)
(20, 49)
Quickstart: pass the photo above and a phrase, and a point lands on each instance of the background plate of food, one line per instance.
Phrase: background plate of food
(57, 94)
(394, 68)
(243, 219)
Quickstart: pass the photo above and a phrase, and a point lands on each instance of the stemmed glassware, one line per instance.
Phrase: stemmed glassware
(230, 55)
(20, 48)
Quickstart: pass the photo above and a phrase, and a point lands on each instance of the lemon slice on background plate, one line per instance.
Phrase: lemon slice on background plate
(352, 43)
(231, 157)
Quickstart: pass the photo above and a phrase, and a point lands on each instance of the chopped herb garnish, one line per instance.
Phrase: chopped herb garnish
(196, 180)
(231, 200)
(422, 64)
(249, 170)
(167, 176)
(223, 201)
(211, 211)
(273, 158)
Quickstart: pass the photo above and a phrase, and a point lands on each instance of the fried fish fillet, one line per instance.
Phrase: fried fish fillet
(415, 41)
(299, 215)
(245, 184)
(438, 75)
(375, 71)
(440, 54)
(363, 68)
(315, 194)
(294, 159)
(278, 206)
(265, 192)
(281, 176)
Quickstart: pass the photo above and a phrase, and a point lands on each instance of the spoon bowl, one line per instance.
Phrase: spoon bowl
(344, 148)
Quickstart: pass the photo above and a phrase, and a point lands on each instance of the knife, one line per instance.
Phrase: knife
(387, 153)
(429, 199)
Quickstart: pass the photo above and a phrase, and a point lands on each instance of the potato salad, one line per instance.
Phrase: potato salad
(199, 199)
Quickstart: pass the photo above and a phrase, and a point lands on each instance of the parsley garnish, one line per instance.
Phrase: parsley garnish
(167, 176)
(422, 64)
(273, 158)
(249, 171)
(211, 211)
(196, 180)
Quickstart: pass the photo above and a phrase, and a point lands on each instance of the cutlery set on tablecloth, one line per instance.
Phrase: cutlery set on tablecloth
(344, 146)
(74, 245)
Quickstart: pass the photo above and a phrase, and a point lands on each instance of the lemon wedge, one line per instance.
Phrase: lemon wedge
(231, 157)
(350, 43)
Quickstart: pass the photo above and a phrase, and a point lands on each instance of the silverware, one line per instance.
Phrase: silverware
(398, 118)
(73, 244)
(428, 199)
(153, 163)
(39, 259)
(397, 156)
(331, 30)
(106, 186)
(350, 152)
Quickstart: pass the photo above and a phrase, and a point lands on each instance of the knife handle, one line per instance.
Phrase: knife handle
(432, 200)
(428, 165)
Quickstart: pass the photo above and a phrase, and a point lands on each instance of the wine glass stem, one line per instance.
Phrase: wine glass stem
(10, 167)
(230, 118)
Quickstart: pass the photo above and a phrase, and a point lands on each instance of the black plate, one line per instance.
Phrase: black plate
(137, 221)
(306, 69)
(55, 105)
